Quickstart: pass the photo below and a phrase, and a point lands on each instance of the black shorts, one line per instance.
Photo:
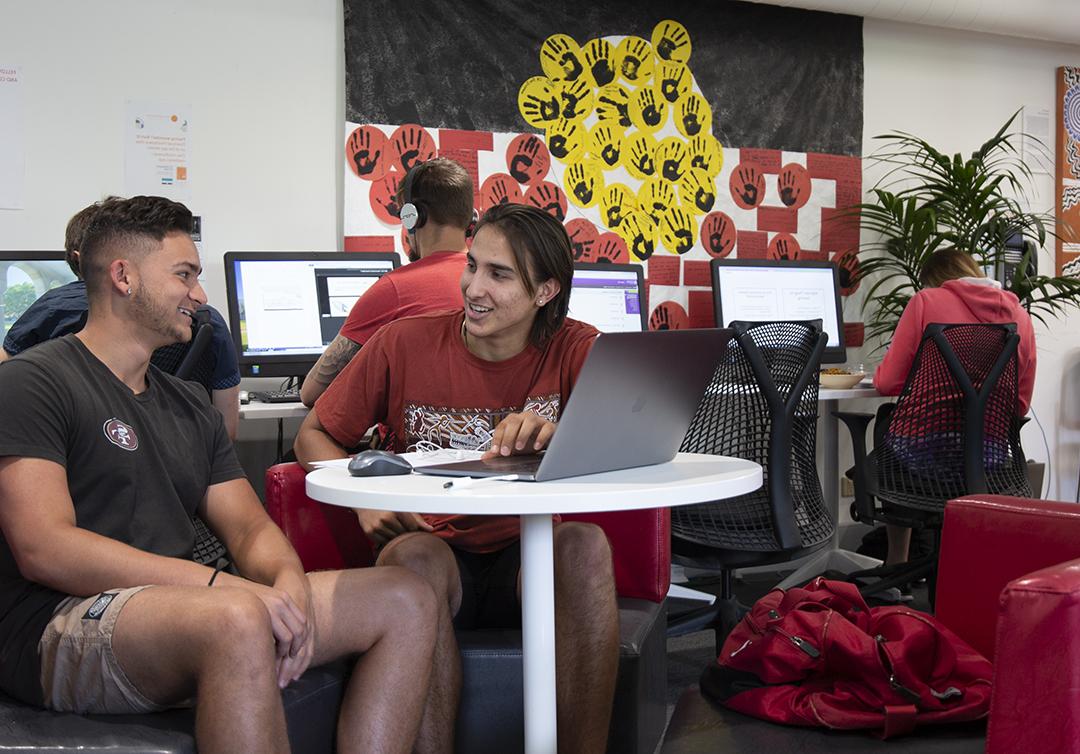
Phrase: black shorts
(489, 588)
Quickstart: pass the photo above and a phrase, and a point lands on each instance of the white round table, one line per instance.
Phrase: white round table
(689, 478)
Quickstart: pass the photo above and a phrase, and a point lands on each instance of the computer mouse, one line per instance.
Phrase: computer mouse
(378, 463)
(244, 398)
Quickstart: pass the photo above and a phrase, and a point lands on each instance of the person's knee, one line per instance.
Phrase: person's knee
(237, 617)
(423, 554)
(582, 549)
(408, 602)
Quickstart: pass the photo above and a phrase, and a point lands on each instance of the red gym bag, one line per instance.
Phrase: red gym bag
(818, 656)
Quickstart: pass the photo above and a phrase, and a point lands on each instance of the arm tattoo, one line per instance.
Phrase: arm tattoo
(335, 358)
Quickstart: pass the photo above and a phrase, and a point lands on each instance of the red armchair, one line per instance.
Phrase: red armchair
(1009, 584)
(328, 537)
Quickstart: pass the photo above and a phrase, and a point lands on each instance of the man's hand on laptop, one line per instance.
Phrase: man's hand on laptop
(382, 526)
(520, 434)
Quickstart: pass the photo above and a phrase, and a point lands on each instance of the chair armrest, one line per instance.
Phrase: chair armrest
(1036, 699)
(326, 537)
(986, 542)
(640, 547)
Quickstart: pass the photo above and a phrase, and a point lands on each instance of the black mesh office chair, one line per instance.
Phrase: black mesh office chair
(953, 431)
(762, 405)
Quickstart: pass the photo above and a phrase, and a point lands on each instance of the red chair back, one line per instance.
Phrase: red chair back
(329, 537)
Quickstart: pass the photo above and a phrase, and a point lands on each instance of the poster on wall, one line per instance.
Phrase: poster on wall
(157, 150)
(12, 148)
(1068, 171)
(663, 137)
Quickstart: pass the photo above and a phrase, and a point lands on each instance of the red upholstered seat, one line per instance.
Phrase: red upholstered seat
(327, 536)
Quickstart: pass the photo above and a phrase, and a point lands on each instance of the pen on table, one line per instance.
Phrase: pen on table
(468, 481)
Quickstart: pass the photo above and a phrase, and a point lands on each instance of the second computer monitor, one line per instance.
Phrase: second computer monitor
(25, 276)
(285, 307)
(760, 290)
(610, 297)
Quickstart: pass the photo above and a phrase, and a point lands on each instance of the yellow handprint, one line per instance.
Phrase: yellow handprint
(656, 197)
(673, 80)
(634, 57)
(639, 232)
(698, 191)
(600, 59)
(671, 41)
(605, 144)
(671, 159)
(576, 98)
(539, 102)
(613, 104)
(560, 58)
(678, 230)
(615, 202)
(706, 153)
(566, 139)
(693, 116)
(647, 111)
(583, 182)
(638, 156)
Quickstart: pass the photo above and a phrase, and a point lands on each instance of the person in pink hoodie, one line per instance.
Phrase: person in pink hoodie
(955, 291)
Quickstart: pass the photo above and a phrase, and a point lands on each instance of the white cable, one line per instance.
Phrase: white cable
(1049, 466)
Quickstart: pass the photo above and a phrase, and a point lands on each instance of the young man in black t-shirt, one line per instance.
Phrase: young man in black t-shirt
(104, 460)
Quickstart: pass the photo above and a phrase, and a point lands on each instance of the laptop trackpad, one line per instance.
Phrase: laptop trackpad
(524, 466)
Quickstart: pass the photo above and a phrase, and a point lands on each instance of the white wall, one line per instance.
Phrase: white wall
(955, 89)
(265, 79)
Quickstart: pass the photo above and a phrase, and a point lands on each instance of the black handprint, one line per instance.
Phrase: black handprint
(630, 65)
(547, 197)
(610, 154)
(784, 250)
(583, 192)
(610, 248)
(699, 161)
(672, 77)
(409, 141)
(660, 319)
(704, 199)
(522, 161)
(642, 246)
(718, 233)
(651, 113)
(549, 109)
(748, 177)
(684, 240)
(644, 163)
(670, 89)
(602, 72)
(583, 237)
(672, 170)
(665, 48)
(364, 158)
(557, 145)
(668, 38)
(614, 215)
(571, 65)
(790, 191)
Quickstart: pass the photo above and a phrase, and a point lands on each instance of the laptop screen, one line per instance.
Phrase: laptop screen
(24, 276)
(610, 297)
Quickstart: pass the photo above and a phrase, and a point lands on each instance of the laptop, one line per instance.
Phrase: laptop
(633, 402)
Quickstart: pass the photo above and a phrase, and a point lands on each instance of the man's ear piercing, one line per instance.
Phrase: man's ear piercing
(129, 290)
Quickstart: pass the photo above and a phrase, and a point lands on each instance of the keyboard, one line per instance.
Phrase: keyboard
(276, 396)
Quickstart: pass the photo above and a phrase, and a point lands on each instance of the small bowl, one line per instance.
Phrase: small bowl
(841, 381)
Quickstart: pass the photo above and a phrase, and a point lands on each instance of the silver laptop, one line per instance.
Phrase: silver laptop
(631, 406)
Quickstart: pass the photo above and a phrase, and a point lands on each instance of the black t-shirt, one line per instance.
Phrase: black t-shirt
(137, 468)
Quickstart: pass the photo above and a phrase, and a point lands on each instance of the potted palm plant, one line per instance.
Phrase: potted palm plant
(927, 199)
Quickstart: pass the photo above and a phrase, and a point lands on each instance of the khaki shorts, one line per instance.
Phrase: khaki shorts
(79, 672)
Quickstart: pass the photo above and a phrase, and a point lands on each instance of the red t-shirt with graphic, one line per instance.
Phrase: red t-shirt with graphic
(416, 376)
(431, 284)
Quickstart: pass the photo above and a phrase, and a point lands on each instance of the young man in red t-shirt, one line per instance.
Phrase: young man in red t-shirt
(429, 283)
(494, 376)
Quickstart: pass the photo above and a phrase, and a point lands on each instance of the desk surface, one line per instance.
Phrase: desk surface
(690, 478)
(256, 410)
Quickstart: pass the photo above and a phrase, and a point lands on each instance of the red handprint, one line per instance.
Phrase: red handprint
(412, 145)
(383, 198)
(793, 183)
(583, 236)
(499, 188)
(747, 185)
(784, 246)
(611, 248)
(364, 150)
(669, 316)
(718, 234)
(527, 159)
(848, 264)
(548, 197)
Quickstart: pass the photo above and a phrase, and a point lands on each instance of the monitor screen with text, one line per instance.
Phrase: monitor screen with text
(286, 307)
(761, 290)
(610, 297)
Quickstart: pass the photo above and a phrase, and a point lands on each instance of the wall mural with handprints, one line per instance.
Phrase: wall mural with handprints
(662, 136)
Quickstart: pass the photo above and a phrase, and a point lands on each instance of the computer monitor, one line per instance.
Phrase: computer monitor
(286, 306)
(610, 297)
(24, 276)
(760, 290)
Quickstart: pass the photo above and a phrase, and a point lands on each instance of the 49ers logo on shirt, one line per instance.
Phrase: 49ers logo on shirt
(120, 434)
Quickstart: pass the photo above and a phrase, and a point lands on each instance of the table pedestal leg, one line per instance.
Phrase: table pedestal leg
(538, 633)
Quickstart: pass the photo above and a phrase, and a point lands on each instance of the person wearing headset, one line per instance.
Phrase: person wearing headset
(436, 200)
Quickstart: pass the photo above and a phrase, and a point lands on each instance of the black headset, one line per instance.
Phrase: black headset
(413, 213)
